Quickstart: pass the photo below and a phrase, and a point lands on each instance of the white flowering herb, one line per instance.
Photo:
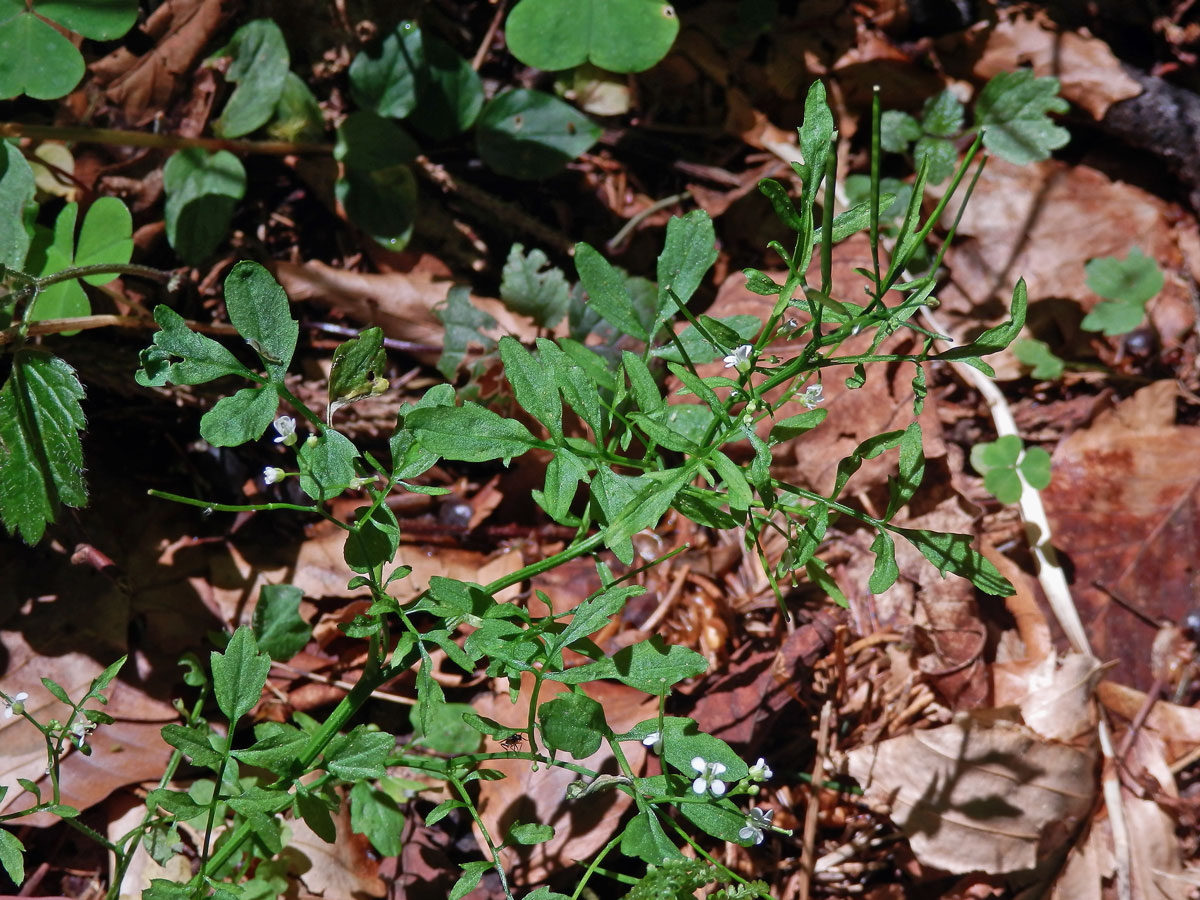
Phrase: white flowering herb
(16, 705)
(285, 429)
(757, 822)
(708, 779)
(654, 741)
(272, 474)
(760, 771)
(740, 358)
(813, 395)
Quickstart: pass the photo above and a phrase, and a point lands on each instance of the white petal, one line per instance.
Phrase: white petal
(717, 787)
(699, 785)
(717, 768)
(747, 833)
(699, 764)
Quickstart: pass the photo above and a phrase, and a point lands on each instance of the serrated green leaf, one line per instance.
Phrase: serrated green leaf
(531, 287)
(688, 253)
(592, 615)
(373, 542)
(533, 385)
(259, 310)
(911, 471)
(469, 433)
(954, 553)
(194, 743)
(530, 135)
(239, 674)
(12, 856)
(563, 474)
(357, 370)
(615, 35)
(885, 573)
(447, 732)
(259, 67)
(699, 349)
(464, 325)
(529, 833)
(855, 219)
(276, 749)
(326, 464)
(1012, 110)
(469, 879)
(376, 815)
(942, 157)
(200, 358)
(942, 115)
(897, 130)
(243, 417)
(573, 723)
(794, 426)
(279, 629)
(359, 754)
(607, 291)
(17, 189)
(202, 191)
(41, 458)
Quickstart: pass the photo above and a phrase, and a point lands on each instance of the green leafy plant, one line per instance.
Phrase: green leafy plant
(38, 60)
(1127, 285)
(1039, 357)
(625, 446)
(41, 457)
(617, 35)
(1007, 465)
(1011, 113)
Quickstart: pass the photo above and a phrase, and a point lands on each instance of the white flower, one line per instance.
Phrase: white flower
(16, 705)
(708, 780)
(813, 395)
(760, 771)
(653, 741)
(271, 474)
(80, 731)
(285, 426)
(756, 823)
(740, 358)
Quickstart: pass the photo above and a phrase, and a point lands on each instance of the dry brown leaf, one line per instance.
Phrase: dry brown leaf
(1125, 510)
(143, 86)
(1057, 700)
(980, 794)
(1043, 222)
(346, 868)
(1089, 73)
(1177, 726)
(401, 303)
(581, 826)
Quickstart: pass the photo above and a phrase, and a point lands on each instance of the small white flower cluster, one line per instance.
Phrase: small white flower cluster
(16, 705)
(813, 395)
(741, 358)
(285, 427)
(80, 731)
(757, 822)
(272, 474)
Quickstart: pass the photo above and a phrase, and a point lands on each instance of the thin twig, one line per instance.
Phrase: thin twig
(344, 685)
(486, 43)
(85, 323)
(808, 853)
(634, 221)
(119, 138)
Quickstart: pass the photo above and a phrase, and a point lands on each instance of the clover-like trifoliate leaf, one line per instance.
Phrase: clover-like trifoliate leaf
(260, 68)
(41, 459)
(1038, 355)
(530, 135)
(617, 35)
(106, 236)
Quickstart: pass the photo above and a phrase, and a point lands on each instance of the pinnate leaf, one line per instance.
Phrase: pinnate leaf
(1012, 110)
